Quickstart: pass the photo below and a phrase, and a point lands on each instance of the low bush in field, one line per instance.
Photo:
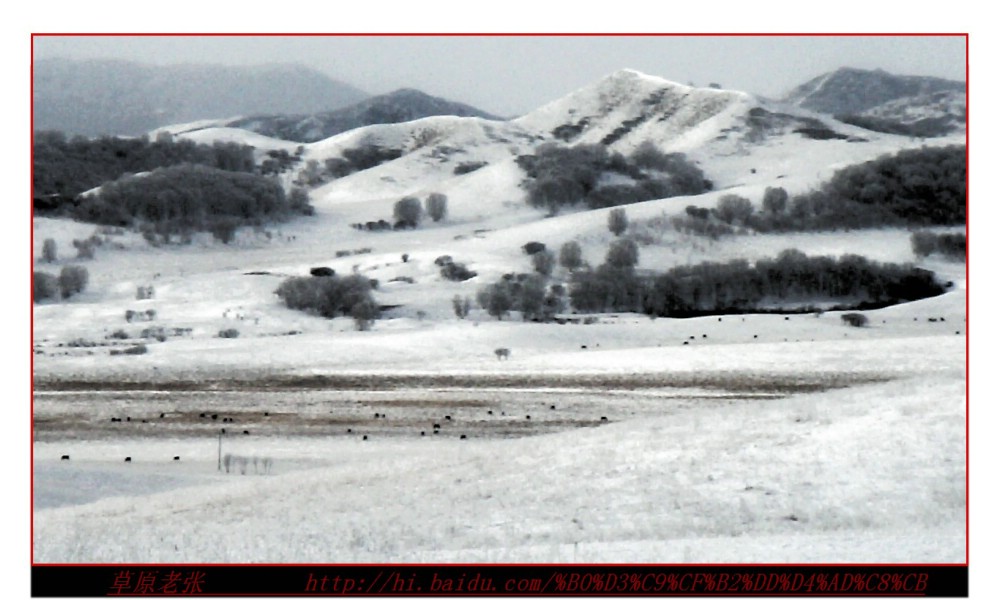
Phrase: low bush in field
(331, 297)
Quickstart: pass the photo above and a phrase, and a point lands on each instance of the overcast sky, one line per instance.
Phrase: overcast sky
(511, 75)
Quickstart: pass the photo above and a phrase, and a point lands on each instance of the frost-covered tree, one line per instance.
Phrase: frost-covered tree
(437, 206)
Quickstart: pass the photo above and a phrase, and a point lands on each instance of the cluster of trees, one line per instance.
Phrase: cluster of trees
(588, 174)
(408, 211)
(738, 286)
(951, 245)
(279, 161)
(71, 281)
(529, 294)
(189, 198)
(613, 285)
(63, 168)
(922, 187)
(331, 297)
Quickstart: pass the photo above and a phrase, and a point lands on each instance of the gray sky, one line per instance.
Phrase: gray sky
(515, 74)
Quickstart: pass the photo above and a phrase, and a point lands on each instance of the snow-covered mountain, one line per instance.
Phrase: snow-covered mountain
(395, 107)
(852, 91)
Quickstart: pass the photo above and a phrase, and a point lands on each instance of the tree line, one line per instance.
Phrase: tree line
(183, 199)
(64, 168)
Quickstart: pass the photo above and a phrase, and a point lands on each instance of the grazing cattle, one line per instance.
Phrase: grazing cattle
(703, 336)
(215, 417)
(932, 320)
(64, 457)
(502, 353)
(349, 430)
(128, 459)
(685, 343)
(462, 437)
(604, 418)
(552, 407)
(437, 426)
(245, 432)
(364, 437)
(322, 272)
(423, 433)
(528, 417)
(163, 415)
(447, 417)
(489, 412)
(177, 458)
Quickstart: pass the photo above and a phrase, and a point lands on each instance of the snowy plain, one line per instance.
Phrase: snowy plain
(763, 439)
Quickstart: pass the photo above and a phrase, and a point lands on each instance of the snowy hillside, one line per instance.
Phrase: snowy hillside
(602, 438)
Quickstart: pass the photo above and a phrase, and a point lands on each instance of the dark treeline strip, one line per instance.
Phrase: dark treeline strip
(921, 187)
(950, 245)
(65, 168)
(189, 198)
(739, 287)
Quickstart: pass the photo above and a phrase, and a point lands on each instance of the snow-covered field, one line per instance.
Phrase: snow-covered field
(754, 438)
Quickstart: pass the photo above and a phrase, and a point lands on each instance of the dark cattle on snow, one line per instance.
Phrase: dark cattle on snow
(322, 272)
(64, 457)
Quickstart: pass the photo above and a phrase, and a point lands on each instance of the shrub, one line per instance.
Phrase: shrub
(408, 211)
(72, 280)
(468, 167)
(364, 312)
(44, 286)
(457, 272)
(570, 255)
(775, 200)
(49, 253)
(325, 296)
(437, 206)
(533, 248)
(950, 245)
(131, 350)
(84, 249)
(733, 209)
(544, 262)
(617, 221)
(496, 300)
(623, 254)
(229, 333)
(461, 306)
(854, 319)
(119, 334)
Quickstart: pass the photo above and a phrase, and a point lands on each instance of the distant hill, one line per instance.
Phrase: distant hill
(396, 107)
(852, 91)
(879, 101)
(98, 97)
